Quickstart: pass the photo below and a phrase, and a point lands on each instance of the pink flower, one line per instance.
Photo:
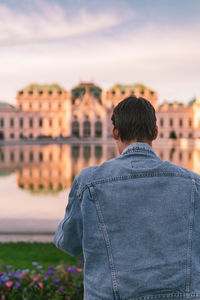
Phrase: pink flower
(40, 285)
(9, 283)
(36, 278)
(3, 297)
(79, 269)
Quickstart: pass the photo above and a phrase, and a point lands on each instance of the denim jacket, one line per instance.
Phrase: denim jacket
(136, 219)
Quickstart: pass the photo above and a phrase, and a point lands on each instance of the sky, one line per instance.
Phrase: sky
(154, 42)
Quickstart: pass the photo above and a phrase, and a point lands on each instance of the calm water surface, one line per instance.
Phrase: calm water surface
(35, 181)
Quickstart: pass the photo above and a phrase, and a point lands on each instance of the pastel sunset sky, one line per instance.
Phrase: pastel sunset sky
(154, 42)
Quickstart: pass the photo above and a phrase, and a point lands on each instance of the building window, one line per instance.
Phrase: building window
(31, 156)
(98, 152)
(98, 129)
(21, 122)
(30, 105)
(50, 156)
(190, 136)
(171, 122)
(40, 156)
(12, 136)
(86, 129)
(2, 123)
(75, 152)
(189, 155)
(161, 155)
(1, 135)
(180, 156)
(180, 122)
(75, 128)
(161, 135)
(180, 135)
(161, 122)
(86, 152)
(11, 122)
(190, 123)
(21, 157)
(171, 153)
(50, 122)
(30, 135)
(2, 156)
(31, 122)
(41, 187)
(173, 135)
(40, 122)
(12, 156)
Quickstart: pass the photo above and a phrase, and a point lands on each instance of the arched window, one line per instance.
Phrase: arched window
(98, 129)
(75, 152)
(12, 156)
(75, 128)
(40, 122)
(31, 156)
(161, 155)
(98, 152)
(190, 136)
(86, 152)
(1, 135)
(86, 129)
(21, 156)
(171, 122)
(31, 122)
(173, 135)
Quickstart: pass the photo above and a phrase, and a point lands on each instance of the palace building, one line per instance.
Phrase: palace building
(44, 111)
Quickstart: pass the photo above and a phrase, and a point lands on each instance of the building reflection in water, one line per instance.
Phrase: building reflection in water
(52, 168)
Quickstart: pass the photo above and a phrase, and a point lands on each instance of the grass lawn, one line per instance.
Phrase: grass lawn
(21, 255)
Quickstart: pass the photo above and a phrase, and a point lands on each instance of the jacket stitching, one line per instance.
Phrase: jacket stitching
(126, 177)
(108, 245)
(191, 221)
(182, 295)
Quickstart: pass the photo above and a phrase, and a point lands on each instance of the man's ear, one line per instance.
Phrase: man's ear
(155, 133)
(115, 133)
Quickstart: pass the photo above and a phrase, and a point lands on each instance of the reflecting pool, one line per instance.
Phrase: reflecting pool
(35, 181)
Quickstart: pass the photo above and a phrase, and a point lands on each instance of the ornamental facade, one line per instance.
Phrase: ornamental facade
(49, 111)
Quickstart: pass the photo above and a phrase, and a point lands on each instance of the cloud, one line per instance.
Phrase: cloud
(165, 58)
(47, 22)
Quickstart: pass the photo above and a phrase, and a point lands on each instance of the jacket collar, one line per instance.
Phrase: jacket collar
(138, 147)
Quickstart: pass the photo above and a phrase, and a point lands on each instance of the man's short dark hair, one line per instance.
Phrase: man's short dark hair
(135, 119)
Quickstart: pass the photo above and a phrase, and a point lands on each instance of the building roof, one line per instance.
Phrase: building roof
(5, 105)
(124, 87)
(42, 87)
(192, 101)
(79, 90)
(86, 84)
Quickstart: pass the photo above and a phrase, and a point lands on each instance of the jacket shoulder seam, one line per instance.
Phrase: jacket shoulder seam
(126, 177)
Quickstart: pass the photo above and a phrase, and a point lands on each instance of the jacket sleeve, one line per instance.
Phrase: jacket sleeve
(68, 236)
